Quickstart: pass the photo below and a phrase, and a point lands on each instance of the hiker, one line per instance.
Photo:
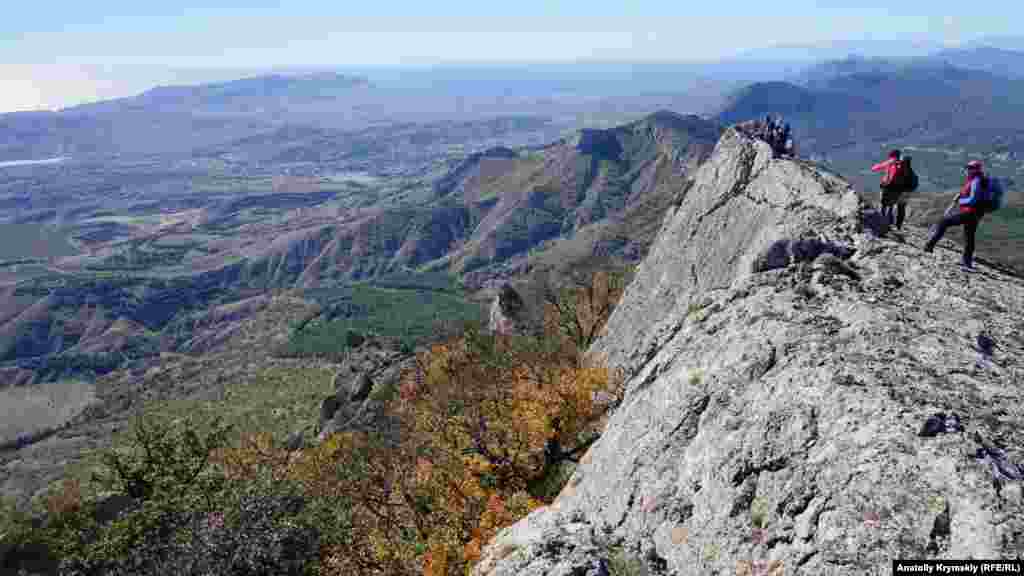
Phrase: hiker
(889, 184)
(787, 141)
(894, 194)
(969, 214)
(775, 139)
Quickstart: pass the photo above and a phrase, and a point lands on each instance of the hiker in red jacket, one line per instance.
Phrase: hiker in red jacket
(968, 214)
(890, 193)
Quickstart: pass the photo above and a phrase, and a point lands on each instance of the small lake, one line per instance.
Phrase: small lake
(13, 163)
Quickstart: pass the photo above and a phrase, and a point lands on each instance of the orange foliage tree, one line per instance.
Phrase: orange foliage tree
(479, 427)
(490, 418)
(579, 310)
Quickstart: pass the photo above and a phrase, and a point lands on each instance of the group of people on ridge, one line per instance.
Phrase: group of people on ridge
(777, 134)
(978, 196)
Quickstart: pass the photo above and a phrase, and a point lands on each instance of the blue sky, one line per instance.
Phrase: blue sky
(50, 47)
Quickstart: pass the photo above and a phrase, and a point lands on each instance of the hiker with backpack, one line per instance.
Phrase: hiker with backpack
(892, 185)
(979, 195)
(907, 182)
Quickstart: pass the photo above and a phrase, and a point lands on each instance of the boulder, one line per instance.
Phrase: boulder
(508, 311)
(295, 442)
(328, 407)
(361, 388)
(356, 404)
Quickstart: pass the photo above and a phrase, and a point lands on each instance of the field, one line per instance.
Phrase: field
(18, 241)
(30, 410)
(277, 400)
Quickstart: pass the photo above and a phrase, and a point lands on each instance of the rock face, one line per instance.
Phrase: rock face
(371, 370)
(507, 311)
(783, 360)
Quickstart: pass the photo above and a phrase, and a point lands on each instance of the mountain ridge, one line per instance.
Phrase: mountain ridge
(782, 359)
(501, 208)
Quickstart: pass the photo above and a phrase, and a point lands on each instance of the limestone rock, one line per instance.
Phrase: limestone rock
(507, 311)
(295, 441)
(361, 388)
(355, 405)
(328, 407)
(782, 357)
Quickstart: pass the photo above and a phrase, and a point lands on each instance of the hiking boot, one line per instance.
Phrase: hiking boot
(928, 248)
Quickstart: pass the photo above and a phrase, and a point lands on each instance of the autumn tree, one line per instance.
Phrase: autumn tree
(579, 309)
(480, 425)
(491, 417)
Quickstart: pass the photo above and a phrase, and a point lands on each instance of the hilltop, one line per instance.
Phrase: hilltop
(849, 111)
(783, 361)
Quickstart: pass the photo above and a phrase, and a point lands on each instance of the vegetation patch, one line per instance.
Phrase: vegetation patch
(475, 437)
(759, 510)
(407, 309)
(277, 401)
(623, 563)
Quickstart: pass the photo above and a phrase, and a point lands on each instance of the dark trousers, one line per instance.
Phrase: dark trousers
(900, 208)
(969, 220)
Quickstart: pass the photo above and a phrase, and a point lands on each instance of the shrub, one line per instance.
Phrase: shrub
(255, 529)
(484, 429)
(187, 517)
(161, 458)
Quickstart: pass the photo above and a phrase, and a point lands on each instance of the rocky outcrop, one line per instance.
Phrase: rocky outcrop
(507, 311)
(783, 363)
(364, 380)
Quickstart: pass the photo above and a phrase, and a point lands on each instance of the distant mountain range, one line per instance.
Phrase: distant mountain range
(242, 96)
(995, 60)
(183, 119)
(856, 107)
(503, 203)
(837, 49)
(928, 97)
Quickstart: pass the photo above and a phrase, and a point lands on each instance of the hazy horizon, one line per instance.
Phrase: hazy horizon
(51, 87)
(62, 54)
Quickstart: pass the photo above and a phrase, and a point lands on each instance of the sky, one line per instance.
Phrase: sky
(62, 52)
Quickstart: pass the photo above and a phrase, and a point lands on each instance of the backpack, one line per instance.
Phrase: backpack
(911, 182)
(992, 194)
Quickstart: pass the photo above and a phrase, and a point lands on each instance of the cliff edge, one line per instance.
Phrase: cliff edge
(804, 396)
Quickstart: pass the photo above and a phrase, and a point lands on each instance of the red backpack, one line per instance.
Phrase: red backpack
(898, 180)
